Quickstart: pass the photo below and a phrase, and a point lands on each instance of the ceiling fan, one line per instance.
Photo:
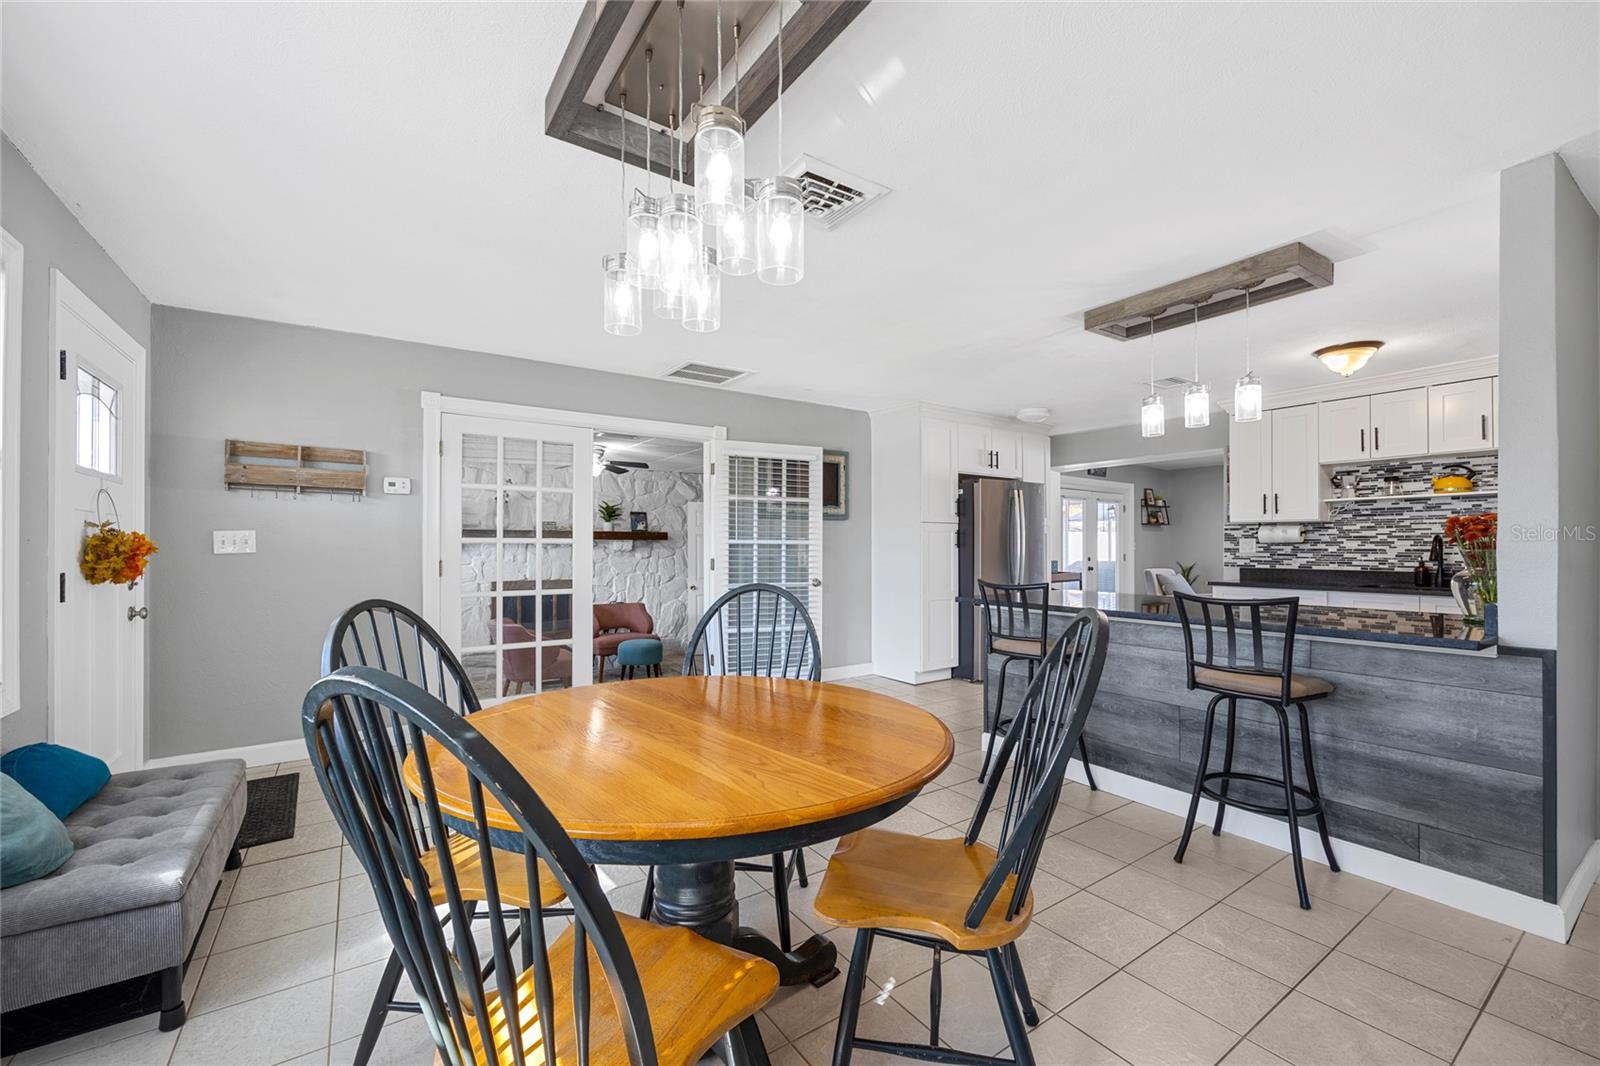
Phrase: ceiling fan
(614, 466)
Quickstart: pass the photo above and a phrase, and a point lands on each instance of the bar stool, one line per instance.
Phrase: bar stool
(1016, 624)
(1237, 673)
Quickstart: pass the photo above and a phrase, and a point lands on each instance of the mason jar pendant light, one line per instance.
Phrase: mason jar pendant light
(1152, 412)
(1196, 398)
(1247, 391)
(736, 253)
(718, 152)
(780, 210)
(681, 234)
(644, 213)
(702, 295)
(621, 292)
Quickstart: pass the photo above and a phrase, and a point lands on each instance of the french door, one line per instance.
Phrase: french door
(1095, 540)
(766, 522)
(97, 646)
(516, 550)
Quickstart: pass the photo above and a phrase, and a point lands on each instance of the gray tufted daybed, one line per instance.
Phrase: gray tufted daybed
(150, 850)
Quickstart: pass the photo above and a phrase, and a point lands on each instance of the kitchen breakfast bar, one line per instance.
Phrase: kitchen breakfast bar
(1434, 747)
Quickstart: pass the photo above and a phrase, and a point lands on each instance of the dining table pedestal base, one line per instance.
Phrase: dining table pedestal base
(702, 896)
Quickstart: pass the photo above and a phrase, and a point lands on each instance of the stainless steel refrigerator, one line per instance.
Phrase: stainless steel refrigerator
(993, 546)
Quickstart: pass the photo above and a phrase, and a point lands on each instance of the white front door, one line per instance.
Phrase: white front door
(516, 553)
(98, 473)
(1095, 540)
(766, 519)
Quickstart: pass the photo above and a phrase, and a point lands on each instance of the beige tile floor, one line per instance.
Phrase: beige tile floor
(1132, 958)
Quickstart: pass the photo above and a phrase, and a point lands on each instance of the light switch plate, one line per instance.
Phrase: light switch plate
(233, 542)
(397, 486)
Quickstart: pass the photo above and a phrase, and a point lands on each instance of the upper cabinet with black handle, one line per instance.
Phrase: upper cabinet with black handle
(1450, 419)
(989, 451)
(1461, 417)
(1273, 468)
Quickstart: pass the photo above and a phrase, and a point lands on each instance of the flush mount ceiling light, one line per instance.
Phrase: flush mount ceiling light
(1345, 359)
(1034, 415)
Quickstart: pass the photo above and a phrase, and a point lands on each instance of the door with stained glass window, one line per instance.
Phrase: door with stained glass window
(516, 551)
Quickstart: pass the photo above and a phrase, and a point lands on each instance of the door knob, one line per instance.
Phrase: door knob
(138, 612)
(693, 587)
(816, 582)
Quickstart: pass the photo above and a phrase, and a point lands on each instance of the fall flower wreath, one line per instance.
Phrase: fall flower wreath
(115, 555)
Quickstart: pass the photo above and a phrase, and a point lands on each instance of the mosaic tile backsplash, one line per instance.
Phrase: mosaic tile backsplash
(1369, 532)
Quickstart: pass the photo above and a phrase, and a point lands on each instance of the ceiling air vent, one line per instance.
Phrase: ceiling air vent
(705, 374)
(832, 195)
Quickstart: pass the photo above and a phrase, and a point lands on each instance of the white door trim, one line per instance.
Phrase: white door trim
(11, 503)
(65, 297)
(435, 405)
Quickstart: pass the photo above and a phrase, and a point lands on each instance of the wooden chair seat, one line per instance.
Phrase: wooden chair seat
(1271, 687)
(509, 873)
(696, 990)
(1018, 646)
(880, 879)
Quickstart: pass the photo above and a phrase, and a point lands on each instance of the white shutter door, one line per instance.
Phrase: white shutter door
(766, 520)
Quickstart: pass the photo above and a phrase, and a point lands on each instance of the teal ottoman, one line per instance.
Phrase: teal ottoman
(642, 651)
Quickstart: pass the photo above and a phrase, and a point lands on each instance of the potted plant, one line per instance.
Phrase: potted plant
(609, 513)
(1476, 586)
(1190, 572)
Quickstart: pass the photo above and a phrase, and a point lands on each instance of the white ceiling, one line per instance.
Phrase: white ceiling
(380, 168)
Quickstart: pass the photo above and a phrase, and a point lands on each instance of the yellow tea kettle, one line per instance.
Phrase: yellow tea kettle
(1462, 482)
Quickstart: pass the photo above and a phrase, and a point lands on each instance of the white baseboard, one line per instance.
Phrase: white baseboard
(1577, 890)
(845, 673)
(254, 755)
(1464, 893)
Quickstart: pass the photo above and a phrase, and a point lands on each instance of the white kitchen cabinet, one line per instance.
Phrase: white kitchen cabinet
(1461, 416)
(988, 451)
(1386, 601)
(1308, 598)
(1250, 470)
(1399, 424)
(1035, 458)
(1344, 430)
(1296, 475)
(939, 443)
(938, 596)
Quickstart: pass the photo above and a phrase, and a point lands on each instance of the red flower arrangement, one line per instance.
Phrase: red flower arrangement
(115, 555)
(1475, 537)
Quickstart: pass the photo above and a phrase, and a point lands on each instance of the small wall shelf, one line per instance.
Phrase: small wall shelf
(1154, 514)
(630, 534)
(1411, 496)
(294, 468)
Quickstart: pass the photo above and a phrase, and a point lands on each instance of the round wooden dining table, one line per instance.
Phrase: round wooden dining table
(688, 774)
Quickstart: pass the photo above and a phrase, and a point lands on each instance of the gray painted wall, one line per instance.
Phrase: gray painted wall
(1550, 480)
(1195, 503)
(235, 638)
(50, 237)
(1123, 444)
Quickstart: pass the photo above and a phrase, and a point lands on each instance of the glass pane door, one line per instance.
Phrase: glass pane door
(517, 540)
(1091, 541)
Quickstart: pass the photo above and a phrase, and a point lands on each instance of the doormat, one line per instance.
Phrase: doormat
(269, 816)
(269, 810)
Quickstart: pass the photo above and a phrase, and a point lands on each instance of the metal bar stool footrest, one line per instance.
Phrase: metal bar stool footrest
(1312, 810)
(924, 1053)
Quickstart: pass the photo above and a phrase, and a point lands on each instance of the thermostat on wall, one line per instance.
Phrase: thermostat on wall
(397, 486)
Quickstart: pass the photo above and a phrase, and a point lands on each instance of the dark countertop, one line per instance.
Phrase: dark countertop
(1413, 628)
(1334, 581)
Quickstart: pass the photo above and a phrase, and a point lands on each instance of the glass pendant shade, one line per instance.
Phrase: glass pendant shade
(1196, 406)
(644, 241)
(680, 251)
(702, 295)
(718, 163)
(780, 231)
(1152, 416)
(735, 236)
(622, 297)
(1247, 398)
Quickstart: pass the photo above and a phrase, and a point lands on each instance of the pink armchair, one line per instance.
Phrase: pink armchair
(615, 623)
(519, 663)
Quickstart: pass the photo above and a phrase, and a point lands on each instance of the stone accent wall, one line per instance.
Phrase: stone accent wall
(655, 572)
(1367, 533)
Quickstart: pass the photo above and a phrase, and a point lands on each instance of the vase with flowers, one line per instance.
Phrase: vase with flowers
(1476, 586)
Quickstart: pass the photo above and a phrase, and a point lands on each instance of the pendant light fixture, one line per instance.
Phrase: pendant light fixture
(1196, 398)
(1247, 390)
(736, 254)
(1152, 412)
(644, 213)
(718, 153)
(681, 232)
(780, 210)
(702, 295)
(621, 291)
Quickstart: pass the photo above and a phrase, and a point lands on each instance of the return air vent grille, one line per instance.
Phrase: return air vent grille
(832, 195)
(705, 374)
